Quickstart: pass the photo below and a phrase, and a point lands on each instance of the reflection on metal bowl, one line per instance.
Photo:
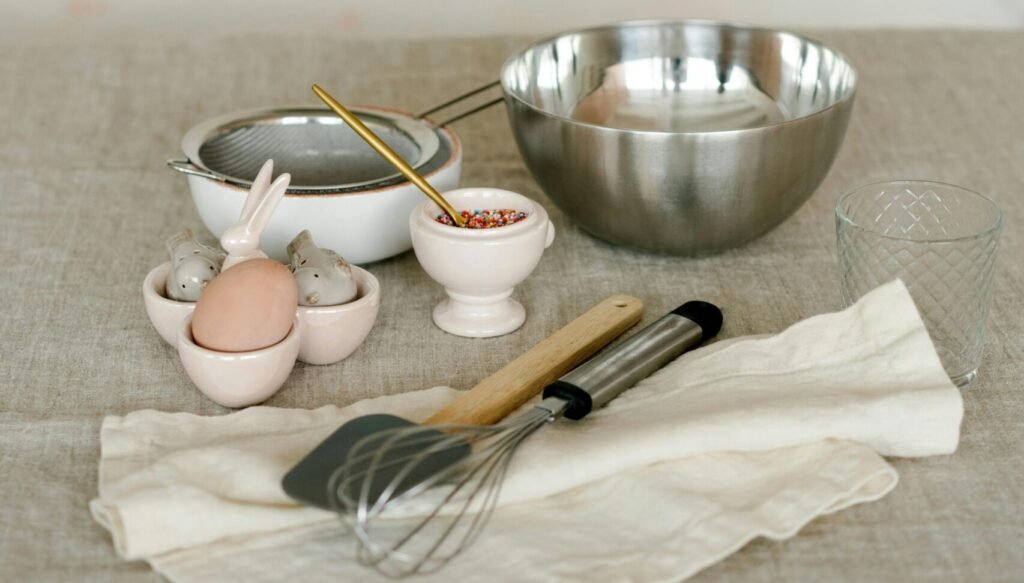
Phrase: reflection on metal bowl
(683, 137)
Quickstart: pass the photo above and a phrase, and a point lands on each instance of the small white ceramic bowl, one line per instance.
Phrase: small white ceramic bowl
(331, 333)
(165, 314)
(238, 379)
(480, 267)
(362, 226)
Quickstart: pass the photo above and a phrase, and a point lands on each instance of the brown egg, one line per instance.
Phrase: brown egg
(247, 307)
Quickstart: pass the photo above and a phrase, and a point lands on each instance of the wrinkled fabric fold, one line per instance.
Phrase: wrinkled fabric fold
(748, 437)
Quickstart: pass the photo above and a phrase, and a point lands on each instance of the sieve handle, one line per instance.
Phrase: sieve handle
(601, 379)
(186, 167)
(517, 382)
(460, 99)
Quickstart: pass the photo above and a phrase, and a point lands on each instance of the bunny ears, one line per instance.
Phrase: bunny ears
(242, 241)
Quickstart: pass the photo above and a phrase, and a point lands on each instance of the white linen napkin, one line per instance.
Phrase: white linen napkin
(745, 438)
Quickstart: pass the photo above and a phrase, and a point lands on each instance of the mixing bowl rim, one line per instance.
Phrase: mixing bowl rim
(844, 101)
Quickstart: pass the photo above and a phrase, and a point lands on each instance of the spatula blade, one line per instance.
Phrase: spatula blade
(309, 480)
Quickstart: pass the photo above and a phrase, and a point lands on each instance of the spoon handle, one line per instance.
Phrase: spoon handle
(390, 155)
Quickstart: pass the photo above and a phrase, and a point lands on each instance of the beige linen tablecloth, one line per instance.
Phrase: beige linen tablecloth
(87, 202)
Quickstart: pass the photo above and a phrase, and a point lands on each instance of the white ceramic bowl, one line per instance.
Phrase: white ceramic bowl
(165, 314)
(362, 226)
(331, 333)
(238, 379)
(480, 267)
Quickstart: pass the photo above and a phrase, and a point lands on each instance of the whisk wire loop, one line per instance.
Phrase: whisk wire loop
(408, 523)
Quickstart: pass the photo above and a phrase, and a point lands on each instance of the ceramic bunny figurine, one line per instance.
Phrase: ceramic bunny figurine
(324, 278)
(193, 265)
(242, 241)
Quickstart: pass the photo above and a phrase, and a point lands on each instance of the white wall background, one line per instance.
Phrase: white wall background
(419, 18)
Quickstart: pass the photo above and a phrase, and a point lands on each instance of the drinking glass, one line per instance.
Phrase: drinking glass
(941, 240)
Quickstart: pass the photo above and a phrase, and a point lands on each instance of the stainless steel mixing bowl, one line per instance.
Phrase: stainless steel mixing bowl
(683, 137)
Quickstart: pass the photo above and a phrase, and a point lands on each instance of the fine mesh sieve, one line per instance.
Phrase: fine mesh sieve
(320, 152)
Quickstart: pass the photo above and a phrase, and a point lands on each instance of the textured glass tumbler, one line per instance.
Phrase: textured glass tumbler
(941, 240)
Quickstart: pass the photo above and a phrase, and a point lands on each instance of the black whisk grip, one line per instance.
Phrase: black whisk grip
(707, 315)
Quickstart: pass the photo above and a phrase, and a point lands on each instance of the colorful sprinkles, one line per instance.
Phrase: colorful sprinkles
(485, 219)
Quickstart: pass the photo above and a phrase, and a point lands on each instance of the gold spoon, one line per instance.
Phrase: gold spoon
(390, 155)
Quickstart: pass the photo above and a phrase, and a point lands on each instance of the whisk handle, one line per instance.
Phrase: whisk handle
(517, 382)
(604, 377)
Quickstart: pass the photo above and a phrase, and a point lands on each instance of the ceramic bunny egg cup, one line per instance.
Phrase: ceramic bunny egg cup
(320, 334)
(238, 379)
(170, 290)
(479, 268)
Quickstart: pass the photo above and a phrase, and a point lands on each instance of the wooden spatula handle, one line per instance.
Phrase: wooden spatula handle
(506, 390)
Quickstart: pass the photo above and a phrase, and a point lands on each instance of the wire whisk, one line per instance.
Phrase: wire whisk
(408, 525)
(415, 497)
